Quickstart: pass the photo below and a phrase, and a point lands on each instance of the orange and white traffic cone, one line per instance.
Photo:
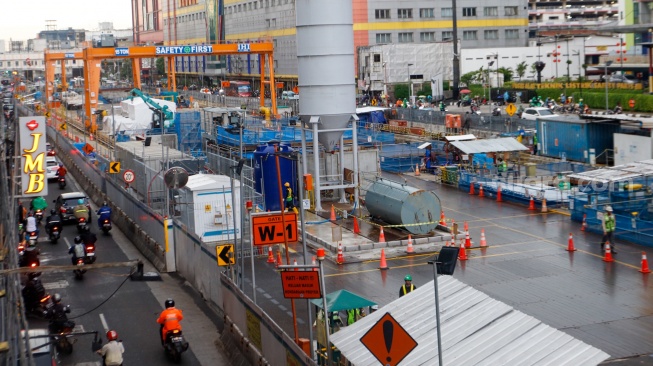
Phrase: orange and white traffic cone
(383, 264)
(294, 263)
(544, 208)
(270, 255)
(570, 245)
(483, 242)
(90, 136)
(608, 253)
(471, 188)
(468, 241)
(443, 220)
(357, 229)
(480, 191)
(644, 268)
(341, 257)
(499, 196)
(314, 264)
(462, 253)
(446, 243)
(333, 213)
(584, 225)
(417, 170)
(531, 205)
(409, 247)
(279, 262)
(381, 236)
(465, 226)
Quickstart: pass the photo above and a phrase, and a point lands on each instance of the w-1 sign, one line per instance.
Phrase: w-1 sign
(268, 228)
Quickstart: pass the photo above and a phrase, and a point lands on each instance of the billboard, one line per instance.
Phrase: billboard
(33, 153)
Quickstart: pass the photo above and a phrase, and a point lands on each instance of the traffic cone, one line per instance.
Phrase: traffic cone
(446, 243)
(333, 213)
(270, 255)
(409, 248)
(499, 197)
(90, 136)
(608, 253)
(417, 170)
(584, 225)
(314, 264)
(480, 191)
(483, 242)
(544, 209)
(645, 268)
(279, 262)
(468, 241)
(531, 205)
(471, 188)
(341, 258)
(462, 253)
(294, 263)
(357, 230)
(383, 264)
(570, 245)
(381, 236)
(465, 226)
(443, 220)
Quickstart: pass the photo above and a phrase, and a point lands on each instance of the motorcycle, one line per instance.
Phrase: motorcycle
(82, 225)
(106, 226)
(28, 256)
(62, 182)
(32, 238)
(89, 258)
(61, 331)
(496, 112)
(38, 214)
(79, 271)
(175, 345)
(37, 301)
(55, 233)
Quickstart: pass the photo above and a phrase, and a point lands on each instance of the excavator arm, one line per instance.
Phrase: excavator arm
(168, 115)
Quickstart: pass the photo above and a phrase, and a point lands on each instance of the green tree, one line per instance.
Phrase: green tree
(507, 73)
(401, 91)
(425, 90)
(126, 70)
(520, 69)
(160, 66)
(470, 77)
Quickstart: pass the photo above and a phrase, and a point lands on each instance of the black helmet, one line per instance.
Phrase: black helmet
(56, 298)
(53, 211)
(170, 303)
(105, 203)
(78, 239)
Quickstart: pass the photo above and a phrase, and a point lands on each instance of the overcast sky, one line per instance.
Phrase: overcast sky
(23, 19)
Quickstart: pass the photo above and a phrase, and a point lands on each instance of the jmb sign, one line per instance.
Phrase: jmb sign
(32, 147)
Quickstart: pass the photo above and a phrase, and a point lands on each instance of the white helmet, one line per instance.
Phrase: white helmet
(608, 208)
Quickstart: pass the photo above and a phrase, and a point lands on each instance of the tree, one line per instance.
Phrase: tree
(470, 77)
(425, 90)
(160, 66)
(126, 70)
(507, 73)
(401, 91)
(520, 69)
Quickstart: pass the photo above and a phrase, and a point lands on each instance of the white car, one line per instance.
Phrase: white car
(51, 167)
(533, 113)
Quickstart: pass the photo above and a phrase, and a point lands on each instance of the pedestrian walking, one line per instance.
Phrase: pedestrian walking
(407, 287)
(609, 224)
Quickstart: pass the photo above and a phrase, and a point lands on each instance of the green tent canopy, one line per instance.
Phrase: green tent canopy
(343, 300)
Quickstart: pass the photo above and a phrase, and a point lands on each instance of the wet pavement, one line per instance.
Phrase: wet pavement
(526, 265)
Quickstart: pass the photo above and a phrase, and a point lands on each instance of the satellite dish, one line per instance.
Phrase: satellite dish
(175, 177)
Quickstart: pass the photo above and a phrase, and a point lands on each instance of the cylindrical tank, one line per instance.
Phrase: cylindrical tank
(325, 65)
(265, 173)
(399, 204)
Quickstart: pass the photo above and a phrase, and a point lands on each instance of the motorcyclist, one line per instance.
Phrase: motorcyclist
(169, 319)
(112, 351)
(78, 250)
(618, 109)
(33, 290)
(39, 203)
(30, 254)
(103, 213)
(52, 220)
(30, 225)
(61, 172)
(81, 210)
(88, 238)
(57, 314)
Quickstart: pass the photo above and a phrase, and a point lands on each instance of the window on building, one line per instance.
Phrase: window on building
(267, 3)
(490, 11)
(383, 38)
(491, 34)
(447, 35)
(446, 12)
(470, 36)
(512, 33)
(405, 37)
(0, 63)
(511, 10)
(469, 12)
(426, 13)
(427, 37)
(404, 13)
(377, 57)
(382, 13)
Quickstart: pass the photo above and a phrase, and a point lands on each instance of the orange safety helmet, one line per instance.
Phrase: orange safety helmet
(287, 184)
(112, 335)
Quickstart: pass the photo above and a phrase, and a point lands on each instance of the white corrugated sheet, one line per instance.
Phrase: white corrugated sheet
(617, 173)
(503, 144)
(460, 137)
(369, 109)
(476, 330)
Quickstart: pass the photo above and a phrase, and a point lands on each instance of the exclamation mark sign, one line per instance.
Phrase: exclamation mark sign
(388, 333)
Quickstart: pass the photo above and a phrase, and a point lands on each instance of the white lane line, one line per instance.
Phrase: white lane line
(104, 323)
(55, 285)
(67, 242)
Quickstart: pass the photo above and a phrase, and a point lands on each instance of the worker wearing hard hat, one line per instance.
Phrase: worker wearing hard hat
(407, 287)
(609, 224)
(290, 200)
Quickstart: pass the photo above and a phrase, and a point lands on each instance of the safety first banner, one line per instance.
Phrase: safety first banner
(33, 152)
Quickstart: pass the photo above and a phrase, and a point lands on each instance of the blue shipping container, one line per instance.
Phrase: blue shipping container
(573, 138)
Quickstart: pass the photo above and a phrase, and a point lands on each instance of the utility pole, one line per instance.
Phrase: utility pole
(456, 62)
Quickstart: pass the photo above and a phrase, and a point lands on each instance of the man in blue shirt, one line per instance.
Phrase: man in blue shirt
(103, 213)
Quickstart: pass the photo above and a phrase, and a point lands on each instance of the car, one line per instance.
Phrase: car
(50, 149)
(66, 202)
(288, 94)
(533, 113)
(51, 167)
(626, 79)
(43, 352)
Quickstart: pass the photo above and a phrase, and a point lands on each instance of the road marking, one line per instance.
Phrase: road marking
(96, 363)
(67, 242)
(104, 323)
(56, 285)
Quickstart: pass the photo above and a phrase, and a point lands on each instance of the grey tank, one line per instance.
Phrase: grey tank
(400, 204)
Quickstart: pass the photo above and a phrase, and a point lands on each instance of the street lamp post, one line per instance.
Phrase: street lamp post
(580, 74)
(410, 85)
(605, 80)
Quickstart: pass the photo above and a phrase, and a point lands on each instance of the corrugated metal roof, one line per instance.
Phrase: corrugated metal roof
(476, 330)
(489, 145)
(460, 137)
(617, 173)
(369, 109)
(201, 182)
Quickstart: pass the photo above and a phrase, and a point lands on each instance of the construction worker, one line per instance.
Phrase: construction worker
(353, 315)
(290, 204)
(609, 224)
(407, 287)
